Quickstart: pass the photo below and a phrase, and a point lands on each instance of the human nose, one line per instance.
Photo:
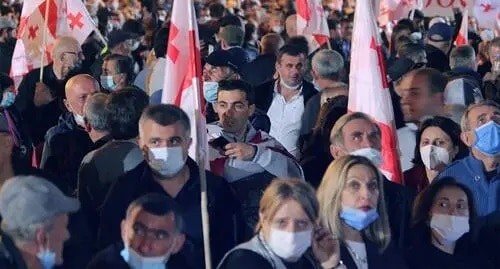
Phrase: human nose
(364, 193)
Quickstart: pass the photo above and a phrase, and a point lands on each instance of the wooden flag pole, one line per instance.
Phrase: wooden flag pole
(44, 37)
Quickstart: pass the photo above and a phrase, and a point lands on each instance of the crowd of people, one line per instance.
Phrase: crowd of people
(95, 171)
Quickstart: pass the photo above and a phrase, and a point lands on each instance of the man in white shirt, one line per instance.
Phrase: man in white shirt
(284, 99)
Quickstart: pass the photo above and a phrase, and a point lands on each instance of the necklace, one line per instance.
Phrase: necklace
(356, 255)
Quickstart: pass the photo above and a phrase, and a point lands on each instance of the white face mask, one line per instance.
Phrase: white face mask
(289, 246)
(432, 156)
(449, 227)
(277, 29)
(291, 87)
(370, 153)
(167, 161)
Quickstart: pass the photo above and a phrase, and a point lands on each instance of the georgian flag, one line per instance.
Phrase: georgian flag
(312, 24)
(463, 36)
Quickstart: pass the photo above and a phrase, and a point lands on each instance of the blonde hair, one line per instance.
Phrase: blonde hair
(283, 190)
(330, 194)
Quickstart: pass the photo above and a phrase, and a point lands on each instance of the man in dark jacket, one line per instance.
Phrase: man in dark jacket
(164, 136)
(7, 43)
(284, 99)
(67, 142)
(437, 46)
(39, 102)
(151, 236)
(262, 69)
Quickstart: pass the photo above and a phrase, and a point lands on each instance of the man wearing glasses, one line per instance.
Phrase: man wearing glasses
(39, 102)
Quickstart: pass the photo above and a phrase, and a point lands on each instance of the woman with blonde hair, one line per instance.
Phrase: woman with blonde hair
(287, 234)
(352, 208)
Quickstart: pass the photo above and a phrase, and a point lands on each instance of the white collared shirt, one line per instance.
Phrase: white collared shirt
(286, 120)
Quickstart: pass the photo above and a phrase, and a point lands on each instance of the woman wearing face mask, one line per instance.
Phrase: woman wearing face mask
(353, 209)
(287, 234)
(438, 144)
(443, 215)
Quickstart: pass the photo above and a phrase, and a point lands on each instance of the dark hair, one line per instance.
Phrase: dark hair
(290, 50)
(158, 205)
(425, 200)
(133, 26)
(299, 42)
(238, 85)
(435, 79)
(332, 24)
(451, 128)
(410, 48)
(216, 10)
(249, 30)
(160, 42)
(230, 20)
(124, 108)
(124, 65)
(166, 114)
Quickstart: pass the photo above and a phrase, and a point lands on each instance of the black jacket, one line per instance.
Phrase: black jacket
(65, 146)
(264, 94)
(6, 52)
(437, 59)
(222, 208)
(260, 70)
(39, 119)
(111, 258)
(390, 258)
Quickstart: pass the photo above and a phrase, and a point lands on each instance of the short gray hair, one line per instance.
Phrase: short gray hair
(28, 233)
(95, 112)
(463, 56)
(328, 64)
(464, 122)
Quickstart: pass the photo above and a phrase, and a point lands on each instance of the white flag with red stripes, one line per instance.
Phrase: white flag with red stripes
(64, 18)
(182, 85)
(311, 23)
(394, 10)
(463, 36)
(368, 86)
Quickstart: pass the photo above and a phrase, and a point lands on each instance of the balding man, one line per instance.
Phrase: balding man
(38, 101)
(263, 67)
(67, 143)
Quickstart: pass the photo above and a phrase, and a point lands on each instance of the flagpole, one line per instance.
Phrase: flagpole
(201, 155)
(44, 37)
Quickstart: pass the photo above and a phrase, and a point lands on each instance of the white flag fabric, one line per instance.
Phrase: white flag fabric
(182, 85)
(368, 87)
(64, 18)
(394, 10)
(463, 36)
(487, 13)
(312, 24)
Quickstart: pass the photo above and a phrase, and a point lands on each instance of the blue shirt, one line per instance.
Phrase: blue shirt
(469, 172)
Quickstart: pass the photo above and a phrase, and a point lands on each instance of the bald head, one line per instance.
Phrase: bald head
(77, 89)
(271, 43)
(64, 44)
(291, 25)
(67, 55)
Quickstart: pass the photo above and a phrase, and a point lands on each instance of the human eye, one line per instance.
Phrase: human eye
(161, 235)
(354, 185)
(239, 106)
(373, 185)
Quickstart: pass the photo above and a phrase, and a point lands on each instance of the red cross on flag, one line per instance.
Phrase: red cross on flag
(394, 10)
(463, 36)
(311, 23)
(182, 86)
(487, 13)
(64, 18)
(368, 87)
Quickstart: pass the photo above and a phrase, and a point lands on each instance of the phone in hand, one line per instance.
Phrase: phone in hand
(219, 143)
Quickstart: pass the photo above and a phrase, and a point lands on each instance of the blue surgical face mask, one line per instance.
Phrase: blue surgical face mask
(210, 91)
(108, 83)
(136, 261)
(358, 219)
(488, 138)
(47, 258)
(8, 99)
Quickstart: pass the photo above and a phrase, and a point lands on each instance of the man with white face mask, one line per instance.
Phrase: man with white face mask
(151, 237)
(164, 137)
(480, 171)
(357, 134)
(35, 220)
(67, 143)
